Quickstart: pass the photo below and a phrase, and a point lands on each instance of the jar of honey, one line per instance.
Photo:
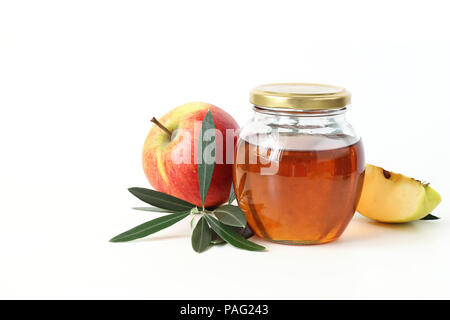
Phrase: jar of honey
(299, 165)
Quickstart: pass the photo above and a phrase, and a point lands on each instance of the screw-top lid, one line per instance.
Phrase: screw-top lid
(304, 96)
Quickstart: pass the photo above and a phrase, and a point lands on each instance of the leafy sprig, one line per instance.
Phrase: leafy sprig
(225, 224)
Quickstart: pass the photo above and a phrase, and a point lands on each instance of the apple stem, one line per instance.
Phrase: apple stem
(161, 126)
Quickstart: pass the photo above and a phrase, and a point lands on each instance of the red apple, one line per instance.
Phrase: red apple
(170, 161)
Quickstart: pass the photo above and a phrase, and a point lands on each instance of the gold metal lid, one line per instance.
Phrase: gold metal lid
(304, 96)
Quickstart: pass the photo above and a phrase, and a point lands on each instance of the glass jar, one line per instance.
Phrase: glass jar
(299, 165)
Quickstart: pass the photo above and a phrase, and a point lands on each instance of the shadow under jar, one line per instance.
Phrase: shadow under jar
(299, 165)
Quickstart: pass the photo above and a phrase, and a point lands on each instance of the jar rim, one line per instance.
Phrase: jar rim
(300, 96)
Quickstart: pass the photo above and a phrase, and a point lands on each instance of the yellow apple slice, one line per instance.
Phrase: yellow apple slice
(395, 198)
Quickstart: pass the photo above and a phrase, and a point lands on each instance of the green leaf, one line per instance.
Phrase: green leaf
(150, 227)
(152, 209)
(161, 200)
(230, 236)
(430, 217)
(201, 236)
(231, 215)
(232, 195)
(245, 232)
(205, 170)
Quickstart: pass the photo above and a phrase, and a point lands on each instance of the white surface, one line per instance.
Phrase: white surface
(79, 82)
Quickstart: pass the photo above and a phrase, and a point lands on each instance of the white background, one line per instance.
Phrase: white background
(80, 80)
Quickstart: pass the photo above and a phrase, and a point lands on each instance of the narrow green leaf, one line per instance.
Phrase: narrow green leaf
(231, 215)
(161, 200)
(430, 217)
(152, 209)
(201, 236)
(150, 227)
(206, 169)
(230, 236)
(245, 232)
(232, 195)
